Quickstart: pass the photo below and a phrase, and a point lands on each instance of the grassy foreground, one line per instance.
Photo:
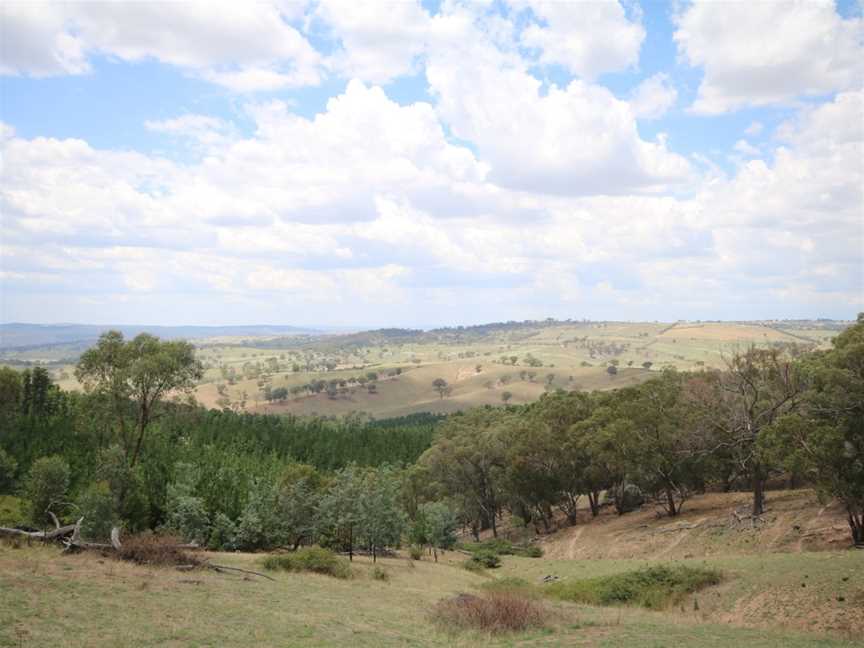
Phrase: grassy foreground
(47, 598)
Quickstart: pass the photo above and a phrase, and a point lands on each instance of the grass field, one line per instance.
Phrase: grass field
(771, 595)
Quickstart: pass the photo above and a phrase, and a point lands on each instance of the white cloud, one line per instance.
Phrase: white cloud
(245, 46)
(587, 38)
(578, 139)
(746, 148)
(653, 97)
(379, 41)
(762, 53)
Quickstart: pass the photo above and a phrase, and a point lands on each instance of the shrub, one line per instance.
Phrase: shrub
(45, 488)
(415, 552)
(310, 559)
(223, 534)
(97, 508)
(187, 516)
(495, 612)
(151, 549)
(501, 547)
(486, 559)
(12, 510)
(652, 587)
(380, 574)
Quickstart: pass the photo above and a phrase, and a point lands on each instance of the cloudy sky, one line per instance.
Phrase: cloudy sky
(423, 163)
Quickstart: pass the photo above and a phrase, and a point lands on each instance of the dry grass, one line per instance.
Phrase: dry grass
(494, 612)
(155, 550)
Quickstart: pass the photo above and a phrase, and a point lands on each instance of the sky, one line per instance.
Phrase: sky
(404, 163)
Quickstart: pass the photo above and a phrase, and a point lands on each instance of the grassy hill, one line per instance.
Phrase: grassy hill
(776, 591)
(479, 363)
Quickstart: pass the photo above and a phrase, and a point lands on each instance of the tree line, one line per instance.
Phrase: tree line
(132, 449)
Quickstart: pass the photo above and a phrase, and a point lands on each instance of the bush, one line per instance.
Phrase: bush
(653, 587)
(487, 559)
(223, 535)
(151, 549)
(12, 510)
(501, 547)
(97, 508)
(187, 517)
(45, 488)
(415, 552)
(380, 574)
(310, 559)
(495, 613)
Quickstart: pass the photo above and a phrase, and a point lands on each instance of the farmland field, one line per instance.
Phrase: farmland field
(479, 364)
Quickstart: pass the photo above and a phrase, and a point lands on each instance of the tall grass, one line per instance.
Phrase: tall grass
(653, 587)
(310, 559)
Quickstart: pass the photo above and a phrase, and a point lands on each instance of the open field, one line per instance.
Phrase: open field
(771, 595)
(479, 364)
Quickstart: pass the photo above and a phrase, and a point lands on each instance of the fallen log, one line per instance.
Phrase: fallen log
(54, 534)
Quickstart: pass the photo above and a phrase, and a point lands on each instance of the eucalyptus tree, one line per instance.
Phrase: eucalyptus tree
(134, 377)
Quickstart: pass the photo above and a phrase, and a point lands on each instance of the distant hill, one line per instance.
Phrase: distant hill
(22, 335)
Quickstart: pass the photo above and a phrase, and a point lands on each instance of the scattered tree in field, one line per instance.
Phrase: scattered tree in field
(506, 396)
(440, 385)
(647, 364)
(612, 370)
(143, 370)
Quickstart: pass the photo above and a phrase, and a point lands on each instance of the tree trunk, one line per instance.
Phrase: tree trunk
(670, 503)
(856, 526)
(758, 494)
(475, 531)
(374, 555)
(594, 502)
(351, 544)
(494, 527)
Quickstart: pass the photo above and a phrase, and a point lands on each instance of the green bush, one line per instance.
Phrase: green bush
(12, 510)
(223, 535)
(652, 587)
(486, 559)
(416, 552)
(45, 488)
(310, 559)
(97, 508)
(501, 547)
(187, 517)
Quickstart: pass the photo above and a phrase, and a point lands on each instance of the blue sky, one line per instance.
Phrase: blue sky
(396, 163)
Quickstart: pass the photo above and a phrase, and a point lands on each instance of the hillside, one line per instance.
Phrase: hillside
(479, 363)
(789, 584)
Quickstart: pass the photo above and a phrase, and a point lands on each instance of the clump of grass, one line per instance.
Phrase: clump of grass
(501, 547)
(495, 612)
(153, 549)
(416, 552)
(309, 559)
(380, 574)
(653, 587)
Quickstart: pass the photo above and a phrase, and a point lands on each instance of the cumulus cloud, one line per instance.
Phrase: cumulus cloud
(762, 53)
(653, 97)
(245, 46)
(575, 139)
(587, 38)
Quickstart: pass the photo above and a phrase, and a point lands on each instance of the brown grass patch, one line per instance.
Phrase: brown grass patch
(495, 612)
